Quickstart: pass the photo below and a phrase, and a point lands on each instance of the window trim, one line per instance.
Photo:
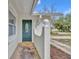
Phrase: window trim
(13, 29)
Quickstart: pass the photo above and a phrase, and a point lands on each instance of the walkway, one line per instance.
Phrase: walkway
(25, 50)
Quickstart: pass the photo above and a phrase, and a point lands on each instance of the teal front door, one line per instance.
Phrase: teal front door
(27, 30)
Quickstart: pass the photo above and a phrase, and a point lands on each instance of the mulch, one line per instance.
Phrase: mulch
(58, 54)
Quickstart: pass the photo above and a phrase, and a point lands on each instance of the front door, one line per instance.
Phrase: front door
(27, 30)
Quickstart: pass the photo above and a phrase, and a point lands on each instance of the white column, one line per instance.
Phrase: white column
(46, 39)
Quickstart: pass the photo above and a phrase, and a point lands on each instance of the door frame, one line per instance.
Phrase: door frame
(32, 29)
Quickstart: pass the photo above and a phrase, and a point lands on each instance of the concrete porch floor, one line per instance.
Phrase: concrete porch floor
(25, 50)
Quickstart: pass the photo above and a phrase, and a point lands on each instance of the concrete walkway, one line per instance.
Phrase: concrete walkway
(61, 37)
(25, 50)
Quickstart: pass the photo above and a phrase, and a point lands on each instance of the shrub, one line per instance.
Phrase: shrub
(63, 24)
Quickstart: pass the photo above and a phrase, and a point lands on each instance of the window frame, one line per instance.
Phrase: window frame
(12, 30)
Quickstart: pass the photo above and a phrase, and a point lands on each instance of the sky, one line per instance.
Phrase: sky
(62, 6)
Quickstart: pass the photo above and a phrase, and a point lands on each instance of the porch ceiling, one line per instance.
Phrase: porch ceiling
(23, 7)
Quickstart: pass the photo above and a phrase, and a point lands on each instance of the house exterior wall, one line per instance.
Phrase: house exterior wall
(19, 26)
(12, 40)
(39, 44)
(38, 41)
(15, 39)
(42, 43)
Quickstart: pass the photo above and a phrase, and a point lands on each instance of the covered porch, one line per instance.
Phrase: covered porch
(21, 11)
(29, 34)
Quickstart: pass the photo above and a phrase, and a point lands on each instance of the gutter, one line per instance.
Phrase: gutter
(33, 5)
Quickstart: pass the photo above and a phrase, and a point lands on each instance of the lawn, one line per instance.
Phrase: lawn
(62, 37)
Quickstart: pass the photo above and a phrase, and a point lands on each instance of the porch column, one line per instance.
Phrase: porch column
(46, 39)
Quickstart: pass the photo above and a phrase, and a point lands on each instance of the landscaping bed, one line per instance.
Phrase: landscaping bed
(56, 53)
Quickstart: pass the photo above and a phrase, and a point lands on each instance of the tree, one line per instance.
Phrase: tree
(63, 23)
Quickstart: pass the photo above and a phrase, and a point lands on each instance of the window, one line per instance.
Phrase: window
(12, 22)
(26, 27)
